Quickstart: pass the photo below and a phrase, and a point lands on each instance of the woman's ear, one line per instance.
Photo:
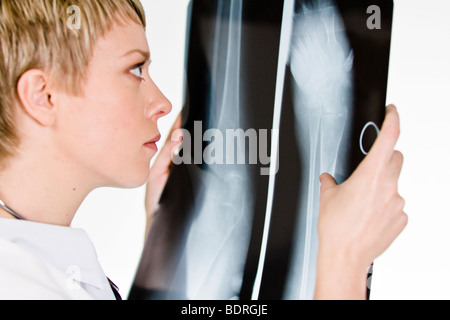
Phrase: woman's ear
(35, 96)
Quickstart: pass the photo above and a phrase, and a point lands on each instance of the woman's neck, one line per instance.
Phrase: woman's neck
(41, 190)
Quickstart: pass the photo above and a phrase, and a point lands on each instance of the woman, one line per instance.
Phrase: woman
(79, 111)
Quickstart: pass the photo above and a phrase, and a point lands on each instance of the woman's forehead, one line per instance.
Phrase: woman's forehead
(123, 39)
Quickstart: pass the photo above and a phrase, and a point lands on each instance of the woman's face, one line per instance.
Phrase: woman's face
(109, 132)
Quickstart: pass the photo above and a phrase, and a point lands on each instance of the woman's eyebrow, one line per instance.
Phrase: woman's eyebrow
(144, 53)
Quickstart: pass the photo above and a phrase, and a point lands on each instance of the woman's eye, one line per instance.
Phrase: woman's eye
(137, 71)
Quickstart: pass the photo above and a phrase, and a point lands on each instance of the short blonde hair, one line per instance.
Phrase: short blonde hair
(37, 34)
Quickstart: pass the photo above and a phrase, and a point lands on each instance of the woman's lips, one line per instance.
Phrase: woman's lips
(152, 143)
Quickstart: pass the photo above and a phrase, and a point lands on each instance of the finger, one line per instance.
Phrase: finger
(176, 124)
(173, 141)
(399, 217)
(401, 204)
(327, 182)
(397, 160)
(383, 147)
(174, 137)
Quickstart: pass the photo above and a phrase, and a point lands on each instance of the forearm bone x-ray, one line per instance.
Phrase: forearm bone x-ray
(304, 81)
(321, 63)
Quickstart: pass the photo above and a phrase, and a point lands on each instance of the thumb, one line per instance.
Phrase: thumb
(327, 182)
(173, 141)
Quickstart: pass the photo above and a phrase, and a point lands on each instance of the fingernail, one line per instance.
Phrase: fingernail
(176, 151)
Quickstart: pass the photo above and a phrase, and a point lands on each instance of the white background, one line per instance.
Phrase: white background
(417, 264)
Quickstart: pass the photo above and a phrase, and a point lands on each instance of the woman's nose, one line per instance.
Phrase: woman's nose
(157, 104)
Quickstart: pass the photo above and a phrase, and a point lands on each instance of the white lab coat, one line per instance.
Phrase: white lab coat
(46, 262)
(24, 276)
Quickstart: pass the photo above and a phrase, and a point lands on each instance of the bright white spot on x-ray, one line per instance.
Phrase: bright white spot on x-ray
(321, 62)
(373, 124)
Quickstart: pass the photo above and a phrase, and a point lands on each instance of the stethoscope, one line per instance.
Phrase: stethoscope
(11, 211)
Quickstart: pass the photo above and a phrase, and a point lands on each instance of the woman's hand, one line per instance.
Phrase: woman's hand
(360, 218)
(160, 171)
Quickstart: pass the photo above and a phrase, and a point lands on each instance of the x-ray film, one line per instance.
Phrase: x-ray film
(277, 93)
